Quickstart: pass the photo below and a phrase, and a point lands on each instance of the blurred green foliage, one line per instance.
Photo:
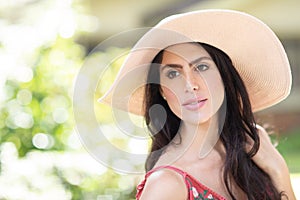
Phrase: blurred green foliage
(39, 151)
(54, 69)
(289, 147)
(47, 101)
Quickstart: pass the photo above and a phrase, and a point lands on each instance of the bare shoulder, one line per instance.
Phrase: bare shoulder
(164, 184)
(260, 129)
(263, 134)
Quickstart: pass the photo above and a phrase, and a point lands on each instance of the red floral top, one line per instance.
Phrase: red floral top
(196, 190)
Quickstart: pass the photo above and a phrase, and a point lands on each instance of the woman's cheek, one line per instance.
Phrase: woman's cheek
(217, 93)
(172, 98)
(169, 94)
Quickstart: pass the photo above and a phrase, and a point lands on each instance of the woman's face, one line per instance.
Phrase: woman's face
(191, 82)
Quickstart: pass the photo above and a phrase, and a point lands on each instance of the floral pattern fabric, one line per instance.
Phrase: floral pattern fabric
(197, 191)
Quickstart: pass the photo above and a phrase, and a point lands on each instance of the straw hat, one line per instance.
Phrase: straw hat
(254, 49)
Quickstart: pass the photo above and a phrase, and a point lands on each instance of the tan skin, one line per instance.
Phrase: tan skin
(201, 80)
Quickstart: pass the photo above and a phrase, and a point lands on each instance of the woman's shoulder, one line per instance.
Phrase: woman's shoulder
(162, 183)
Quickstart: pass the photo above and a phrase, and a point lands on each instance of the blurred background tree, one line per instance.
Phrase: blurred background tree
(41, 155)
(43, 44)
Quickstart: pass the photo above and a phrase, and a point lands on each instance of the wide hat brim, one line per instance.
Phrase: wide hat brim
(254, 49)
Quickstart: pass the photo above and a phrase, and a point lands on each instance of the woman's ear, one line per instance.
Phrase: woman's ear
(162, 94)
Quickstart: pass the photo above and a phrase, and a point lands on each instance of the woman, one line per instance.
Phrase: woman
(187, 94)
(208, 77)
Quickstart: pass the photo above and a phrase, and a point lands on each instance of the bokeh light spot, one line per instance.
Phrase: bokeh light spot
(23, 74)
(24, 97)
(42, 141)
(60, 115)
(23, 120)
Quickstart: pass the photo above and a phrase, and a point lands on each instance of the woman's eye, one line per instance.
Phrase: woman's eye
(202, 67)
(172, 74)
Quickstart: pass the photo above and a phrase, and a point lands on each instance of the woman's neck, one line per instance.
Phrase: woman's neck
(194, 142)
(202, 137)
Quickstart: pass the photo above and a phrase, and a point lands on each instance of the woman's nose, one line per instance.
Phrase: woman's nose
(192, 84)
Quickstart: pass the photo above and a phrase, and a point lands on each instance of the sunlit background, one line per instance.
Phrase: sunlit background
(43, 44)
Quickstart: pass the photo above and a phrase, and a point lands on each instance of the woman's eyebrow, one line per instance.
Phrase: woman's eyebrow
(199, 59)
(173, 65)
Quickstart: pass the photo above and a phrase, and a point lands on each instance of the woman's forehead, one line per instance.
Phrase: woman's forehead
(185, 51)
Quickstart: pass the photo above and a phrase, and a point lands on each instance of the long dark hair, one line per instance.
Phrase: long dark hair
(239, 123)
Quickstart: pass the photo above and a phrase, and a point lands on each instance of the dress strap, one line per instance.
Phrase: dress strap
(166, 167)
(196, 190)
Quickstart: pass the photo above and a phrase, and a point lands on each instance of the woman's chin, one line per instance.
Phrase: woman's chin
(196, 119)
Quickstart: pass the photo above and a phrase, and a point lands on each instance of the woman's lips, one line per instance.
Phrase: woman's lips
(194, 104)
